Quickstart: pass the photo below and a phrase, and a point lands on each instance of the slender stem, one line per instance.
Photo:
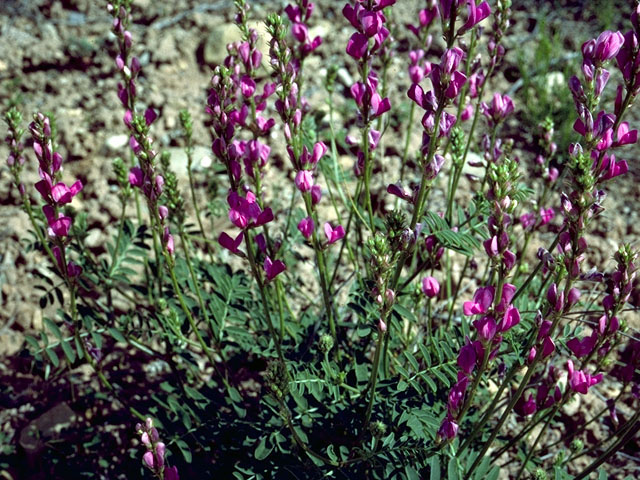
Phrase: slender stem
(372, 381)
(631, 432)
(263, 297)
(535, 442)
(405, 151)
(194, 278)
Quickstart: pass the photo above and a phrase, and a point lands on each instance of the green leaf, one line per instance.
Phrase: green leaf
(494, 473)
(32, 341)
(262, 451)
(452, 469)
(53, 356)
(435, 468)
(69, 352)
(117, 336)
(412, 473)
(184, 448)
(53, 328)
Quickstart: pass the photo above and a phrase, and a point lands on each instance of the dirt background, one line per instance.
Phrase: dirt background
(57, 56)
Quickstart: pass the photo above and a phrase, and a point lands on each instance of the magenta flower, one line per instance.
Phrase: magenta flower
(477, 13)
(582, 348)
(526, 407)
(482, 300)
(399, 191)
(527, 220)
(511, 318)
(448, 429)
(357, 45)
(486, 327)
(171, 473)
(467, 358)
(167, 239)
(508, 291)
(304, 180)
(62, 194)
(430, 287)
(273, 269)
(306, 227)
(500, 108)
(58, 226)
(546, 215)
(230, 243)
(580, 381)
(333, 235)
(456, 395)
(604, 48)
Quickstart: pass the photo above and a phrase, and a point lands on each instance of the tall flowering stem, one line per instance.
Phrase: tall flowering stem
(590, 166)
(291, 105)
(363, 46)
(477, 83)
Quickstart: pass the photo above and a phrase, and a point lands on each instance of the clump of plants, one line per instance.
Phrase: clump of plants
(345, 323)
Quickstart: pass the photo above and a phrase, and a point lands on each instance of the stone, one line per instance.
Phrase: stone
(45, 428)
(95, 238)
(166, 50)
(116, 143)
(215, 45)
(202, 159)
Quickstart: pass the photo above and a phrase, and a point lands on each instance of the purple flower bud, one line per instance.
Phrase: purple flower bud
(430, 287)
(304, 180)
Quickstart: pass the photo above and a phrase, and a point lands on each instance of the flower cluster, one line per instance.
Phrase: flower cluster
(363, 46)
(153, 458)
(425, 18)
(145, 175)
(292, 106)
(54, 192)
(16, 159)
(299, 15)
(496, 316)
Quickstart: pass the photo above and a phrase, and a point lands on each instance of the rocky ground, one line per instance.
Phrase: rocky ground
(56, 56)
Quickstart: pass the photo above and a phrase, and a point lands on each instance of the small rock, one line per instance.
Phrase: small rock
(344, 77)
(46, 427)
(166, 50)
(215, 46)
(94, 238)
(201, 161)
(115, 143)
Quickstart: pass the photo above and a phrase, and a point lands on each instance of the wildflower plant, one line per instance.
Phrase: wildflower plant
(340, 323)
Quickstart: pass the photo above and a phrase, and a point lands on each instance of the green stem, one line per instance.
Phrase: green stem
(373, 381)
(631, 432)
(407, 141)
(194, 278)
